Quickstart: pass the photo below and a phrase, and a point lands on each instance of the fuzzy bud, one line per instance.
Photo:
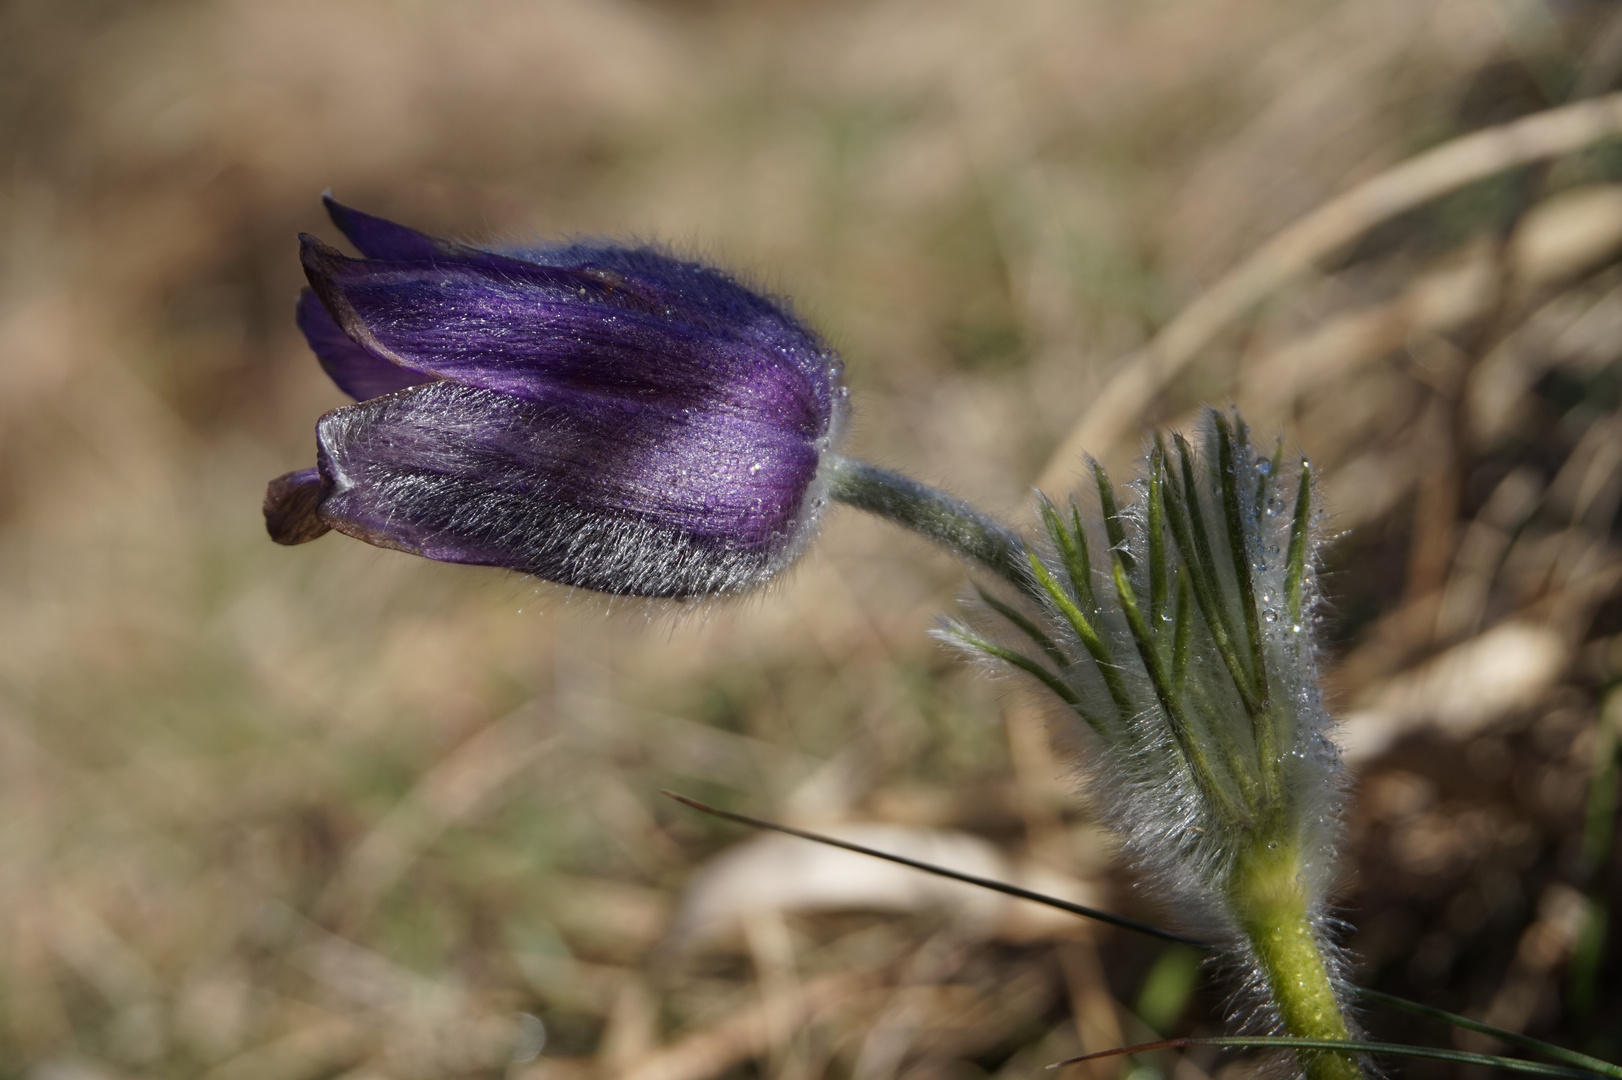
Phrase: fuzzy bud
(1179, 630)
(604, 417)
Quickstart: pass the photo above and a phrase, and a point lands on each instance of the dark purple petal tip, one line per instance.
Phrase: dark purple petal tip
(379, 238)
(609, 418)
(357, 372)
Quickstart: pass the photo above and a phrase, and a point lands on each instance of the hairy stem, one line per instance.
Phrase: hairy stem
(1270, 899)
(931, 513)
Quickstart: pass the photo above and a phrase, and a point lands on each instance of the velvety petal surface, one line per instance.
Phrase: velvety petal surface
(359, 373)
(380, 238)
(648, 501)
(605, 417)
(689, 291)
(524, 329)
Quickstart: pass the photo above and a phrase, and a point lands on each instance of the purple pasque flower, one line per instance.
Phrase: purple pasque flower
(604, 417)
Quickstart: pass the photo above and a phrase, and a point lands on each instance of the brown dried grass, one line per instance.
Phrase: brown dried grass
(332, 811)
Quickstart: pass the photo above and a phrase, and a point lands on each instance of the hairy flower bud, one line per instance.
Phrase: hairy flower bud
(604, 417)
(1179, 630)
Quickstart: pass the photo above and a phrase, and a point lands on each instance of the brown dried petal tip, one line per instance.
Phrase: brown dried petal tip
(290, 505)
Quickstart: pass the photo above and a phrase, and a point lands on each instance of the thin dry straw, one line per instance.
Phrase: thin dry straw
(940, 871)
(1329, 228)
(1254, 1042)
(1514, 1038)
(1585, 1066)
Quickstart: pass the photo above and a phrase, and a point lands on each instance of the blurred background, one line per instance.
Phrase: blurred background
(270, 814)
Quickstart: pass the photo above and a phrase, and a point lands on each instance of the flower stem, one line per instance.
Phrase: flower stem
(1269, 897)
(931, 513)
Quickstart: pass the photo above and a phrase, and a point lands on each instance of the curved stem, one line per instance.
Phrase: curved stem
(931, 513)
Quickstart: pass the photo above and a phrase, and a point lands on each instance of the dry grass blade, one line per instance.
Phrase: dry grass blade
(455, 789)
(985, 883)
(1262, 1042)
(1559, 1053)
(1125, 398)
(747, 1034)
(270, 815)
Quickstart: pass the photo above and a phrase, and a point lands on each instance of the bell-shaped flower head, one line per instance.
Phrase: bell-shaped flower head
(604, 417)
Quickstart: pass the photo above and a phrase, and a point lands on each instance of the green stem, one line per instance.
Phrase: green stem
(1269, 898)
(931, 513)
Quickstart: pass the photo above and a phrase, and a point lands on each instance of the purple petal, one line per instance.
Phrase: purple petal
(687, 290)
(651, 502)
(604, 417)
(677, 289)
(379, 238)
(358, 373)
(527, 330)
(709, 300)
